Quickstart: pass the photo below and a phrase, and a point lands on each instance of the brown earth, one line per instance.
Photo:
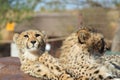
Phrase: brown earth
(10, 70)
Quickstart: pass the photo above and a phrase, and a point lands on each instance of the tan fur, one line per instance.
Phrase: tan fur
(79, 54)
(112, 62)
(94, 41)
(34, 60)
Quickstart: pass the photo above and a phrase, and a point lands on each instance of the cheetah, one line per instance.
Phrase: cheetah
(79, 54)
(112, 62)
(80, 37)
(35, 61)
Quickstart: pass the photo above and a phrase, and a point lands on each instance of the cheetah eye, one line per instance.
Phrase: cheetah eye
(37, 35)
(26, 36)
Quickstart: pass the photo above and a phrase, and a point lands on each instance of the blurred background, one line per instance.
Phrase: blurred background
(58, 18)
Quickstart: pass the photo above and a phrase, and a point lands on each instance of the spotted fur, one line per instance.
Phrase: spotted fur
(112, 62)
(79, 54)
(34, 60)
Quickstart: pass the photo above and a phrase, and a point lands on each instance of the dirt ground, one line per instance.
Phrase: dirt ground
(10, 70)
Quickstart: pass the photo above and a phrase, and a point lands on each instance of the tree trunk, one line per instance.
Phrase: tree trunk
(116, 40)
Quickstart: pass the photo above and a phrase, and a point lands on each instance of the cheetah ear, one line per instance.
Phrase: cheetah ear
(83, 36)
(15, 37)
(44, 35)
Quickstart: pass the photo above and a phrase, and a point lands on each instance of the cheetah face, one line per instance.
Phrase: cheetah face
(96, 43)
(31, 40)
(93, 41)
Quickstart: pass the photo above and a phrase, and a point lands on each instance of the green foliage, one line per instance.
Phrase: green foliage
(116, 2)
(55, 6)
(14, 10)
(18, 10)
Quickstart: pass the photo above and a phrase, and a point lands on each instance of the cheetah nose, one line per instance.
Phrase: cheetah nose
(33, 42)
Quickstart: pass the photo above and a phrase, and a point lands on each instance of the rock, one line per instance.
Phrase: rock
(10, 70)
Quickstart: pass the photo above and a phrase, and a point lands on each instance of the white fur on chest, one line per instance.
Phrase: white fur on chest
(30, 56)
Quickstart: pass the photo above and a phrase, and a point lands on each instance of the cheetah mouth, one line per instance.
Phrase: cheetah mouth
(34, 47)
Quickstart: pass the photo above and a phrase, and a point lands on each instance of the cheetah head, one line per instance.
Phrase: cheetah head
(30, 41)
(95, 42)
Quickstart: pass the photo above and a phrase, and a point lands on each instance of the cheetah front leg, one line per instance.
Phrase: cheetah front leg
(40, 70)
(65, 76)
